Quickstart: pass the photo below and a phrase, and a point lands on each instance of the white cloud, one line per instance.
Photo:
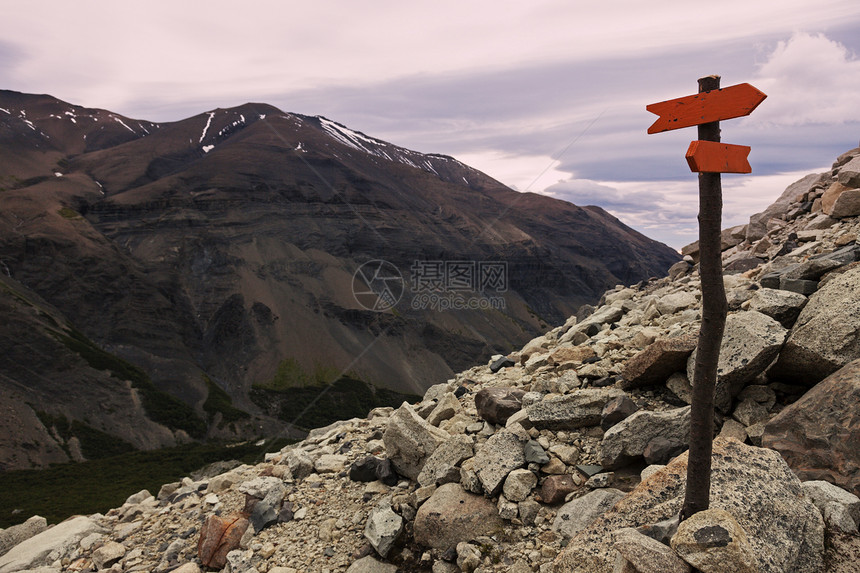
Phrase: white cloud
(521, 172)
(667, 210)
(808, 79)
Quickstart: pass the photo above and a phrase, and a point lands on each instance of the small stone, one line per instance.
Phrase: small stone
(468, 557)
(555, 466)
(519, 484)
(555, 488)
(616, 410)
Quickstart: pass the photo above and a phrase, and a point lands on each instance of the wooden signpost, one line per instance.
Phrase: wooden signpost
(709, 158)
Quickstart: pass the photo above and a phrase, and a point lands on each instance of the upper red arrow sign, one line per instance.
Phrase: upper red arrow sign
(715, 105)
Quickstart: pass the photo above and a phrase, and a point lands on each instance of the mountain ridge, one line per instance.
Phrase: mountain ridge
(224, 244)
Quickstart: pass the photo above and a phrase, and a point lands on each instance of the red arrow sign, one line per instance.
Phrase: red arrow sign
(705, 107)
(713, 157)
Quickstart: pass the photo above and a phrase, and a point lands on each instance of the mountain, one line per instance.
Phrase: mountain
(569, 459)
(198, 264)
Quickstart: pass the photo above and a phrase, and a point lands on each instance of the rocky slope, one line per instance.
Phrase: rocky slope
(213, 251)
(567, 455)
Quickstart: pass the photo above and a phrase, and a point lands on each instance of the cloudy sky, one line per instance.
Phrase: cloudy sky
(544, 95)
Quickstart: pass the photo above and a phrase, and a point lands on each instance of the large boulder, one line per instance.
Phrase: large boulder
(839, 508)
(647, 555)
(826, 335)
(781, 305)
(658, 361)
(12, 536)
(499, 456)
(37, 550)
(754, 485)
(496, 405)
(443, 464)
(409, 440)
(575, 515)
(629, 438)
(819, 434)
(570, 411)
(750, 343)
(452, 515)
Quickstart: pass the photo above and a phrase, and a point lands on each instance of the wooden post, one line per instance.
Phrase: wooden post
(714, 308)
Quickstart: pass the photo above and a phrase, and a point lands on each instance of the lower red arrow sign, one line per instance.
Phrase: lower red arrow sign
(713, 157)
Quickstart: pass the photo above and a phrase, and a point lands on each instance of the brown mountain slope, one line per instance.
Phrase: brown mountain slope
(226, 244)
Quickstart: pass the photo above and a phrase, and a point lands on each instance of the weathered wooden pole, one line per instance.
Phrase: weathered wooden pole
(714, 308)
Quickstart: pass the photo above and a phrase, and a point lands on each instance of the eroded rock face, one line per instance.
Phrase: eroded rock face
(819, 434)
(826, 335)
(754, 485)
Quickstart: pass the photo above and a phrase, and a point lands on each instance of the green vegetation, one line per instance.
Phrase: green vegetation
(219, 401)
(290, 374)
(99, 485)
(95, 444)
(67, 213)
(320, 405)
(160, 406)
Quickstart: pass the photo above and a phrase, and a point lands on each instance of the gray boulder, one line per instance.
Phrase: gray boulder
(12, 536)
(757, 227)
(658, 361)
(570, 411)
(447, 407)
(839, 508)
(818, 434)
(755, 485)
(519, 484)
(712, 541)
(299, 462)
(369, 565)
(577, 514)
(452, 515)
(382, 529)
(849, 174)
(409, 440)
(750, 343)
(443, 464)
(56, 540)
(647, 555)
(628, 440)
(592, 324)
(826, 335)
(502, 453)
(676, 302)
(781, 305)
